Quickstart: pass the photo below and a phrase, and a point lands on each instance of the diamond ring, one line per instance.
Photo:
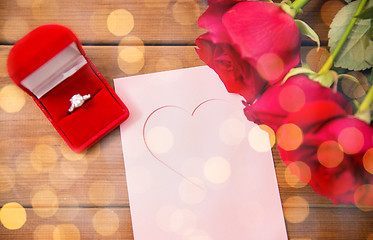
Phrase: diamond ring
(77, 100)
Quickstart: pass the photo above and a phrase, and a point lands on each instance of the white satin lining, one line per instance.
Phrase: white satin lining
(56, 70)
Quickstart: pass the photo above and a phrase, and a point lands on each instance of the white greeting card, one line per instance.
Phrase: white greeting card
(195, 167)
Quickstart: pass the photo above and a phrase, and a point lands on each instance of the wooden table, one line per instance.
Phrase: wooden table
(84, 196)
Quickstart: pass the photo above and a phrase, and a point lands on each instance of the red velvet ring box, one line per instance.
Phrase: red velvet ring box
(50, 64)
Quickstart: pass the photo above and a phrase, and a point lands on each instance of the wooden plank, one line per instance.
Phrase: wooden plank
(155, 22)
(115, 223)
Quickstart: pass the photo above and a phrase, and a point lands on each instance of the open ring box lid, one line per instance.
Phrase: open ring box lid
(50, 64)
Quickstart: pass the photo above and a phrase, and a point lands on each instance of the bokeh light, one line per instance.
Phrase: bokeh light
(368, 161)
(105, 222)
(13, 215)
(12, 99)
(159, 139)
(259, 140)
(67, 214)
(296, 209)
(270, 132)
(43, 158)
(7, 178)
(329, 9)
(352, 88)
(351, 139)
(130, 59)
(297, 174)
(45, 10)
(232, 131)
(217, 169)
(172, 219)
(363, 197)
(292, 98)
(101, 192)
(330, 154)
(66, 232)
(289, 136)
(120, 22)
(186, 12)
(316, 58)
(70, 154)
(270, 66)
(74, 169)
(43, 232)
(44, 202)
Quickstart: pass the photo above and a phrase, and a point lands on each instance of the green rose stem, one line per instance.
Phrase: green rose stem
(329, 62)
(366, 102)
(299, 4)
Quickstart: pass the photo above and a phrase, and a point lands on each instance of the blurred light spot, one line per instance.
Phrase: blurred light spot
(70, 154)
(120, 22)
(297, 174)
(131, 59)
(44, 203)
(186, 12)
(232, 131)
(66, 232)
(24, 168)
(131, 40)
(296, 209)
(105, 222)
(217, 169)
(368, 161)
(58, 179)
(352, 88)
(271, 134)
(270, 66)
(292, 98)
(330, 154)
(316, 58)
(24, 3)
(101, 193)
(12, 99)
(3, 63)
(14, 28)
(363, 197)
(43, 232)
(143, 178)
(329, 9)
(74, 169)
(43, 158)
(159, 139)
(7, 178)
(131, 54)
(168, 63)
(64, 213)
(13, 216)
(93, 152)
(351, 140)
(259, 140)
(45, 10)
(189, 193)
(172, 219)
(289, 136)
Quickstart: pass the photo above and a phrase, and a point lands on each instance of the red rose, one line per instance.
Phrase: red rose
(332, 145)
(278, 101)
(249, 44)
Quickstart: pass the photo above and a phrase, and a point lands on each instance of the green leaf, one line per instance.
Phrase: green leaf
(366, 13)
(326, 79)
(368, 54)
(305, 29)
(364, 116)
(352, 55)
(347, 1)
